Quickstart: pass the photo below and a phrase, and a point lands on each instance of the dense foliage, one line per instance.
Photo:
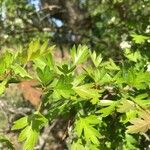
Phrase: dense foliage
(106, 103)
(101, 90)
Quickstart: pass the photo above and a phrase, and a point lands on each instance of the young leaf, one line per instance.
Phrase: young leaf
(99, 75)
(32, 125)
(31, 140)
(46, 75)
(139, 38)
(20, 71)
(33, 49)
(77, 145)
(85, 126)
(80, 54)
(3, 86)
(24, 133)
(110, 65)
(88, 92)
(6, 61)
(96, 59)
(132, 56)
(125, 106)
(21, 123)
(65, 69)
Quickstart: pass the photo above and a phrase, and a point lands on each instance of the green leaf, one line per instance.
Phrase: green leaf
(31, 140)
(6, 61)
(84, 126)
(4, 139)
(134, 78)
(79, 79)
(142, 100)
(20, 71)
(38, 120)
(133, 56)
(130, 142)
(21, 123)
(105, 102)
(39, 63)
(131, 114)
(64, 86)
(87, 91)
(33, 49)
(65, 69)
(110, 65)
(31, 126)
(77, 145)
(49, 60)
(139, 38)
(99, 75)
(107, 110)
(36, 50)
(3, 86)
(80, 54)
(2, 66)
(24, 133)
(48, 50)
(125, 106)
(96, 59)
(44, 47)
(93, 147)
(46, 75)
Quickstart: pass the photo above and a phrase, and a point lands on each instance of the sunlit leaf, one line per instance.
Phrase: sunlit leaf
(20, 71)
(21, 123)
(85, 126)
(141, 124)
(80, 54)
(139, 38)
(87, 92)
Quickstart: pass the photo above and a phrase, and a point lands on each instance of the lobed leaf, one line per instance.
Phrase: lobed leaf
(141, 124)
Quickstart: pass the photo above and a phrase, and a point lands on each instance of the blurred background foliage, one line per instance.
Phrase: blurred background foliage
(104, 25)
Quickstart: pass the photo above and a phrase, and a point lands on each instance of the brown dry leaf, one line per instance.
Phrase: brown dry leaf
(30, 92)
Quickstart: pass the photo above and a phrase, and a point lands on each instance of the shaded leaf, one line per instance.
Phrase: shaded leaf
(107, 110)
(6, 141)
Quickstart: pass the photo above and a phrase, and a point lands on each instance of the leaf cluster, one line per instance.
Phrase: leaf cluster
(107, 102)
